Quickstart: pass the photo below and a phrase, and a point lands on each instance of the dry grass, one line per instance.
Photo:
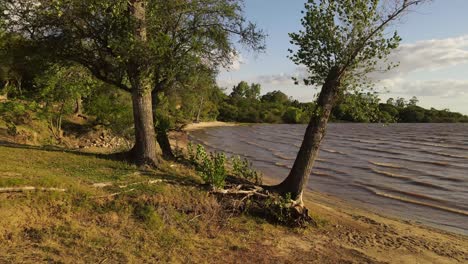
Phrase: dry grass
(177, 221)
(162, 222)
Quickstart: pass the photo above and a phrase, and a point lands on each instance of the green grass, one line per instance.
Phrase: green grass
(162, 222)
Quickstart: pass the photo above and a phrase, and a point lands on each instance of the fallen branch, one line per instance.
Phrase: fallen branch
(108, 184)
(257, 190)
(143, 182)
(102, 184)
(30, 188)
(113, 194)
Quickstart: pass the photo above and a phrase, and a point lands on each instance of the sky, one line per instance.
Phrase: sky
(433, 54)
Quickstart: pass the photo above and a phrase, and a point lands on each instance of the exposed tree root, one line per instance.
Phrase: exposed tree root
(30, 188)
(255, 200)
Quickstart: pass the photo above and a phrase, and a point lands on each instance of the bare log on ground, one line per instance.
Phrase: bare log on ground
(109, 184)
(29, 188)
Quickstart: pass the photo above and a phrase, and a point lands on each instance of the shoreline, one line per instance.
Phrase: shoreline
(203, 125)
(380, 236)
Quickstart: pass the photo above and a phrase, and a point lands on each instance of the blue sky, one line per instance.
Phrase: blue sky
(433, 56)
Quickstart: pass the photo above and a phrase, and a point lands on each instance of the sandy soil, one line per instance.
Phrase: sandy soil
(202, 125)
(357, 235)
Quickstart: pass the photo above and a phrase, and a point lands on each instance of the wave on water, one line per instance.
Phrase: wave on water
(419, 165)
(257, 145)
(283, 157)
(323, 174)
(413, 194)
(449, 155)
(409, 179)
(333, 151)
(279, 164)
(412, 201)
(388, 165)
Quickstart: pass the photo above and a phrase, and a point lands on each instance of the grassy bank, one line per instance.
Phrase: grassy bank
(111, 212)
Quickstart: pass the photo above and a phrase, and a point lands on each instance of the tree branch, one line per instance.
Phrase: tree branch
(406, 4)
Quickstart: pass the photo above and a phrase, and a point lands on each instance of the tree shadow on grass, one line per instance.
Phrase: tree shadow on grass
(52, 148)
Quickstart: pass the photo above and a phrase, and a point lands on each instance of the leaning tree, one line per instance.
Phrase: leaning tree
(341, 43)
(126, 43)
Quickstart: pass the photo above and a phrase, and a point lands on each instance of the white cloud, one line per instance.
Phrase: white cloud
(282, 78)
(236, 63)
(439, 88)
(427, 55)
(420, 57)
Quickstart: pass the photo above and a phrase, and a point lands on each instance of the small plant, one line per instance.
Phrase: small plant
(11, 129)
(191, 153)
(212, 166)
(280, 208)
(243, 168)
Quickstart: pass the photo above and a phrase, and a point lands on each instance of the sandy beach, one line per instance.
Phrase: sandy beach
(202, 125)
(368, 235)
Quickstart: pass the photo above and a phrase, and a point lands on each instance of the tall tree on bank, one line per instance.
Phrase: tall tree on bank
(197, 37)
(121, 42)
(110, 38)
(342, 41)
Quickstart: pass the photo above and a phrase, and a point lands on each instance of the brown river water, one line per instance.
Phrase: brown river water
(414, 171)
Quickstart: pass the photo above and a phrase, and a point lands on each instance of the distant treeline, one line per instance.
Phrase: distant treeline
(245, 104)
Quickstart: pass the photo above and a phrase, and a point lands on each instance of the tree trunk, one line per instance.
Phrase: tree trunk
(146, 150)
(162, 137)
(199, 110)
(78, 105)
(4, 90)
(299, 175)
(163, 141)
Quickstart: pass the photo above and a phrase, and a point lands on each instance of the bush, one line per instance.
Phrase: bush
(242, 168)
(11, 129)
(211, 166)
(18, 113)
(292, 115)
(112, 108)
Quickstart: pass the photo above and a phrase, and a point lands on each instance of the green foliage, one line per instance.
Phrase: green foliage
(275, 97)
(403, 111)
(280, 206)
(358, 107)
(244, 90)
(12, 129)
(244, 105)
(112, 108)
(346, 35)
(212, 166)
(243, 168)
(292, 115)
(18, 112)
(163, 118)
(63, 85)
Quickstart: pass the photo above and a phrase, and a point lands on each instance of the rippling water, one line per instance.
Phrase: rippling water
(415, 171)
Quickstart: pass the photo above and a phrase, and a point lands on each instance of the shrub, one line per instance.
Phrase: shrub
(243, 168)
(212, 166)
(112, 108)
(292, 115)
(11, 129)
(18, 113)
